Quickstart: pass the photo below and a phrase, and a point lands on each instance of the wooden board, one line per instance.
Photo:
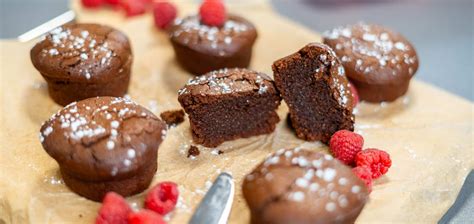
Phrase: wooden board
(428, 133)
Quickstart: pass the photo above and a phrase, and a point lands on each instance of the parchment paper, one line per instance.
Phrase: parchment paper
(428, 133)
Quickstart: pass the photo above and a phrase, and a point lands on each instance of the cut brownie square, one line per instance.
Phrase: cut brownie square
(313, 84)
(228, 104)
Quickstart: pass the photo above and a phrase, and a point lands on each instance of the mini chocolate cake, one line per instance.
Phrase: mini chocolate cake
(313, 85)
(80, 61)
(229, 104)
(104, 144)
(378, 61)
(302, 186)
(200, 48)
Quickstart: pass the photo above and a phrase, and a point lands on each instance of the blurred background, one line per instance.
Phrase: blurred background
(440, 30)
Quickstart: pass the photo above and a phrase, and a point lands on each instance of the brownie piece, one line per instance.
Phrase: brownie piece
(313, 85)
(193, 151)
(104, 144)
(173, 117)
(303, 186)
(200, 48)
(379, 61)
(80, 61)
(229, 104)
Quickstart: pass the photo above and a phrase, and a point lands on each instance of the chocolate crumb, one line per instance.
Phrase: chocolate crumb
(193, 151)
(173, 117)
(220, 152)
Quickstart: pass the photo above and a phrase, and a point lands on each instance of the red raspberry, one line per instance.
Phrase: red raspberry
(164, 13)
(354, 93)
(145, 217)
(365, 175)
(134, 7)
(213, 13)
(113, 2)
(162, 198)
(377, 161)
(345, 145)
(92, 3)
(114, 210)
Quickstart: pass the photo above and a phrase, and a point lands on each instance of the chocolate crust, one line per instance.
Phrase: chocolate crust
(96, 190)
(79, 61)
(313, 84)
(380, 62)
(200, 48)
(303, 186)
(220, 105)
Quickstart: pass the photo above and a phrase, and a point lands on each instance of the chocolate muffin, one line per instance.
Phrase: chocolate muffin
(201, 48)
(302, 186)
(313, 85)
(379, 61)
(229, 104)
(104, 144)
(79, 61)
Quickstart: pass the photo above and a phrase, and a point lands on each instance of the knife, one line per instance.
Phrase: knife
(216, 205)
(48, 26)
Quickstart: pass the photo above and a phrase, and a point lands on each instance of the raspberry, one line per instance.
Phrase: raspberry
(112, 2)
(133, 7)
(162, 198)
(164, 13)
(145, 217)
(92, 3)
(345, 145)
(213, 12)
(114, 210)
(354, 93)
(365, 175)
(376, 160)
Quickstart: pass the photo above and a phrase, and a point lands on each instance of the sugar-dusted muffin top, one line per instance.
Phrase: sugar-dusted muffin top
(305, 187)
(373, 53)
(82, 52)
(102, 137)
(229, 81)
(235, 34)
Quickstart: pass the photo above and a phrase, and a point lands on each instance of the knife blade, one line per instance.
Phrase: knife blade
(216, 205)
(47, 26)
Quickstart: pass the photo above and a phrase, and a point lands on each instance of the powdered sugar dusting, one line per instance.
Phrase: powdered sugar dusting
(369, 42)
(320, 179)
(191, 30)
(78, 43)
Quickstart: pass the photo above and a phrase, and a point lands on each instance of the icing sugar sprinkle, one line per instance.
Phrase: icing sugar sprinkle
(318, 179)
(221, 81)
(72, 43)
(297, 196)
(370, 43)
(214, 36)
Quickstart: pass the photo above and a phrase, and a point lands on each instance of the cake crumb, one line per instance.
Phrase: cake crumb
(193, 151)
(173, 117)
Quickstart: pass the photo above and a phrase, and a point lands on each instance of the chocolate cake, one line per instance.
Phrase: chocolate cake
(104, 144)
(313, 85)
(229, 104)
(200, 48)
(303, 186)
(80, 61)
(379, 61)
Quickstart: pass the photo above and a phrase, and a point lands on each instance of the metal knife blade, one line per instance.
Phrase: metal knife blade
(48, 26)
(216, 205)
